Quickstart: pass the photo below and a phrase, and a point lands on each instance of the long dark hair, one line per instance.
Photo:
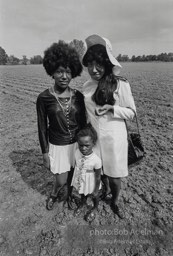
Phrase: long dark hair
(98, 53)
(105, 89)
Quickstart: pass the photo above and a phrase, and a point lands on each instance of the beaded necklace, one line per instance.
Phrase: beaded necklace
(65, 105)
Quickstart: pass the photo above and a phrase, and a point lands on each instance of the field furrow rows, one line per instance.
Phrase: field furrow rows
(13, 86)
(20, 91)
(29, 98)
(28, 83)
(146, 194)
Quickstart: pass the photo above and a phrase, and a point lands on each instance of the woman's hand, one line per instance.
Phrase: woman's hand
(99, 111)
(46, 160)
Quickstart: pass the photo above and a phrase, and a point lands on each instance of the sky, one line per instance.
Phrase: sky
(134, 27)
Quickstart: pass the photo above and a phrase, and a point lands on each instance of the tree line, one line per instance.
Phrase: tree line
(12, 60)
(79, 45)
(167, 57)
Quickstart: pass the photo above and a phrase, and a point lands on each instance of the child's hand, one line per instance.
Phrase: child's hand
(99, 111)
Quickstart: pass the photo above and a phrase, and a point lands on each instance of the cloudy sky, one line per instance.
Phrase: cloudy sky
(28, 27)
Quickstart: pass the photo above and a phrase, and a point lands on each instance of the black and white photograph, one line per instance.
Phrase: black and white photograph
(86, 144)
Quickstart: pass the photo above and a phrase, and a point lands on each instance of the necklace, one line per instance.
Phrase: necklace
(65, 105)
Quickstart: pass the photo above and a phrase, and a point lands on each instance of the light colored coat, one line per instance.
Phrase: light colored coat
(112, 144)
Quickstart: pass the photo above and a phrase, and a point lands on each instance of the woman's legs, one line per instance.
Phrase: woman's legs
(70, 199)
(60, 181)
(115, 185)
(106, 184)
(69, 180)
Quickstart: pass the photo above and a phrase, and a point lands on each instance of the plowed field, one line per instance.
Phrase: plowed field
(27, 228)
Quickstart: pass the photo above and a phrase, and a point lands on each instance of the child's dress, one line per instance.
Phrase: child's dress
(84, 174)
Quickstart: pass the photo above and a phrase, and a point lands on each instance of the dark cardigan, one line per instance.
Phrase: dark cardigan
(53, 125)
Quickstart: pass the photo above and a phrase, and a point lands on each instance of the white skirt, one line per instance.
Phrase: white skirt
(62, 157)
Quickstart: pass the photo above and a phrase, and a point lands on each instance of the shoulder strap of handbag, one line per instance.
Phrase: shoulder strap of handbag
(136, 119)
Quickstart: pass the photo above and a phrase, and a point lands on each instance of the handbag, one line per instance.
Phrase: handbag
(136, 150)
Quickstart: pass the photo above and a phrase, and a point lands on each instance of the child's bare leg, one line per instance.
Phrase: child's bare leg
(81, 204)
(90, 215)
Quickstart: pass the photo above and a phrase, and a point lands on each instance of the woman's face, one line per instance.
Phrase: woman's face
(62, 78)
(96, 70)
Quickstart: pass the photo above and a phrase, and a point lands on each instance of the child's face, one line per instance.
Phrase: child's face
(85, 145)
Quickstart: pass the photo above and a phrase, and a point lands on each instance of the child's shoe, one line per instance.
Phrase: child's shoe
(80, 206)
(90, 216)
(71, 202)
(50, 202)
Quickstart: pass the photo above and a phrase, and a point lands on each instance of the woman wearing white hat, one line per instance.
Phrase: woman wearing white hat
(109, 102)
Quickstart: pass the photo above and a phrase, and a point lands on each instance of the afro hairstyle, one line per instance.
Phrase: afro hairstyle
(62, 54)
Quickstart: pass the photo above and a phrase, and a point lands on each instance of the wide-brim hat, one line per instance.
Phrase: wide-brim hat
(96, 39)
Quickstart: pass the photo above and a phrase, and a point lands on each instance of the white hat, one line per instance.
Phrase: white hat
(95, 39)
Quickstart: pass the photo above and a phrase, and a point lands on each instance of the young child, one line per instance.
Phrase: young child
(87, 172)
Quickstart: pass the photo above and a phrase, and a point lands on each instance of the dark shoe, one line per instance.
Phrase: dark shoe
(72, 205)
(50, 202)
(90, 216)
(117, 211)
(80, 205)
(62, 194)
(77, 211)
(105, 195)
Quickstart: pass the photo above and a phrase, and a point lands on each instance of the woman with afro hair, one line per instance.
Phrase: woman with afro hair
(60, 114)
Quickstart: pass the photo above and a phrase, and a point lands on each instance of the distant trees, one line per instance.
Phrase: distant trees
(12, 60)
(165, 56)
(36, 60)
(3, 56)
(161, 57)
(123, 57)
(24, 60)
(168, 57)
(79, 46)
